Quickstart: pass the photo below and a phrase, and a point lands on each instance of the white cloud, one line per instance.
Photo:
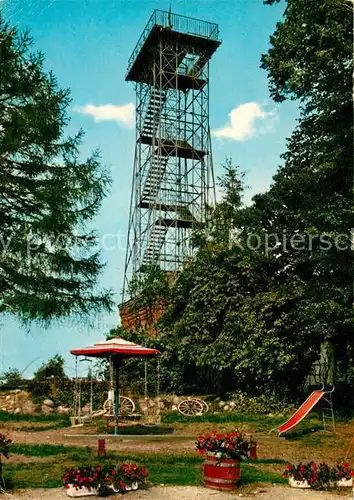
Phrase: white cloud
(124, 114)
(243, 122)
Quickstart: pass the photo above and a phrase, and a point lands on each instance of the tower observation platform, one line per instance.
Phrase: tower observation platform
(173, 179)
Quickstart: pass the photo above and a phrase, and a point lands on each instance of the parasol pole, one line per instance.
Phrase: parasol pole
(117, 366)
(158, 387)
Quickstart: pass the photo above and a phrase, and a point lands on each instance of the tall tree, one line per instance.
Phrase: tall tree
(263, 313)
(196, 329)
(309, 206)
(222, 219)
(48, 261)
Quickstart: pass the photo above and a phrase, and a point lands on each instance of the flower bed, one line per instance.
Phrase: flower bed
(343, 474)
(89, 481)
(318, 476)
(233, 444)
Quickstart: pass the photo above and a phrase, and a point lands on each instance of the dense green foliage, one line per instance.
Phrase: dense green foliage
(49, 262)
(272, 283)
(54, 367)
(309, 206)
(11, 377)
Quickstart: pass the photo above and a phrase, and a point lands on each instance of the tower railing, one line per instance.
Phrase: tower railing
(181, 24)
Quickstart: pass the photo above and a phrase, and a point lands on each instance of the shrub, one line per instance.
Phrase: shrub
(11, 377)
(54, 367)
(258, 405)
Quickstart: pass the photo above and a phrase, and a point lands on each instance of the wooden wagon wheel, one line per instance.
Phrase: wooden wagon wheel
(190, 407)
(126, 406)
(205, 405)
(108, 407)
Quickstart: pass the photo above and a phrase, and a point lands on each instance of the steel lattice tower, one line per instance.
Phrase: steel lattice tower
(173, 180)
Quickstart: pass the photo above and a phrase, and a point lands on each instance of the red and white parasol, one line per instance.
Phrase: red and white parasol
(115, 347)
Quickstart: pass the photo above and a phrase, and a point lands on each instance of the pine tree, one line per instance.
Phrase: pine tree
(49, 263)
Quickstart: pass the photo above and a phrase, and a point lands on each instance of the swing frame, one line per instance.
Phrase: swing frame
(77, 420)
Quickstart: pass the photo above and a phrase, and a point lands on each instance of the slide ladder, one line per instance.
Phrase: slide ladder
(306, 407)
(328, 413)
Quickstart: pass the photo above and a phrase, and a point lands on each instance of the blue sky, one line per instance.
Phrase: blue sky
(87, 44)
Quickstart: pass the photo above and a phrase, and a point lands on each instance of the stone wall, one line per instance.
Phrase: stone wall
(150, 408)
(19, 401)
(16, 401)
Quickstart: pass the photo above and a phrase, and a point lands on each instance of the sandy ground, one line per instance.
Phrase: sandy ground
(192, 493)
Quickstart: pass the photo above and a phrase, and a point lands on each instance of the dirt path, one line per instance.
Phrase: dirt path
(193, 493)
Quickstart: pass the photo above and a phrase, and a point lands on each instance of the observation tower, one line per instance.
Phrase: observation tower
(173, 180)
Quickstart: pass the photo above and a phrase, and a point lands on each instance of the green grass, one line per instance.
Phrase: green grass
(251, 473)
(47, 450)
(163, 469)
(33, 475)
(11, 417)
(40, 428)
(271, 461)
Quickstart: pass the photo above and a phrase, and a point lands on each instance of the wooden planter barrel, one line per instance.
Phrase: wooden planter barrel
(221, 473)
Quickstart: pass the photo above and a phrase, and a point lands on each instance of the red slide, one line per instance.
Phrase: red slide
(301, 413)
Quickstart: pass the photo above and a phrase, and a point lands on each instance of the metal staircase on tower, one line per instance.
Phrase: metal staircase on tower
(151, 121)
(153, 180)
(156, 239)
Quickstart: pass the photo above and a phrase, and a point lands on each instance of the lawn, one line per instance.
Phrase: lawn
(41, 451)
(19, 417)
(163, 468)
